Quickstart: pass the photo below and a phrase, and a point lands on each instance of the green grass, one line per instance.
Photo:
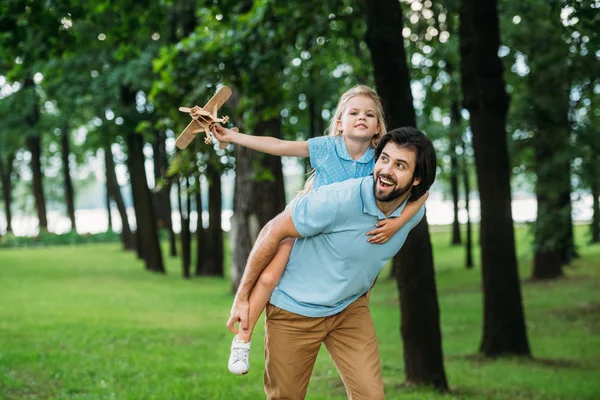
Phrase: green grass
(87, 322)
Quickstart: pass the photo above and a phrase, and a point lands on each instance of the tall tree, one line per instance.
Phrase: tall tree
(162, 193)
(201, 242)
(415, 274)
(148, 243)
(114, 192)
(6, 171)
(184, 214)
(484, 95)
(546, 88)
(467, 187)
(65, 152)
(213, 262)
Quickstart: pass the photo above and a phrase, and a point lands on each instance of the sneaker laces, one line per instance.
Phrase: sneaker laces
(240, 354)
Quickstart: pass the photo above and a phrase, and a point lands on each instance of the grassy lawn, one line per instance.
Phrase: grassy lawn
(88, 322)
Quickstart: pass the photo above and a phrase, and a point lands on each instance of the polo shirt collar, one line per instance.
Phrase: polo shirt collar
(342, 152)
(368, 199)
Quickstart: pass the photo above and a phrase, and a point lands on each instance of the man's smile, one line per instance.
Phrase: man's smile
(385, 181)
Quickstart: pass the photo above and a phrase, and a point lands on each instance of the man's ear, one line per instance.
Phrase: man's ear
(416, 181)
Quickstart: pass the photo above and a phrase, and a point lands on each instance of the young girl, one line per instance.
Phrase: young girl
(346, 153)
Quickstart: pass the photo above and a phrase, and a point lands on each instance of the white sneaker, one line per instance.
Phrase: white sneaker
(239, 359)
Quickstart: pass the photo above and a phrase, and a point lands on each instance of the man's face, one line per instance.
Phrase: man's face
(393, 173)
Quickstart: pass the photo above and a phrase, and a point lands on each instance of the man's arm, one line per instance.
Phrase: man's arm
(265, 247)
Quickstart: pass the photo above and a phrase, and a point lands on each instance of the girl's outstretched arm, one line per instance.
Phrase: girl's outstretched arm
(386, 228)
(264, 144)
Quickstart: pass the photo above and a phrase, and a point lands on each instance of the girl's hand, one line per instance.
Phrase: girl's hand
(382, 233)
(222, 134)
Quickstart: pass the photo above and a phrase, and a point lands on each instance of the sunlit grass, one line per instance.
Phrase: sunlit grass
(89, 322)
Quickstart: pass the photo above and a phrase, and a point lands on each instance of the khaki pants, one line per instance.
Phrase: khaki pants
(292, 343)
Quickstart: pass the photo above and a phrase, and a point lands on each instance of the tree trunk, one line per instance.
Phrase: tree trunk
(595, 224)
(269, 193)
(184, 213)
(454, 135)
(33, 144)
(35, 148)
(421, 334)
(485, 97)
(163, 197)
(147, 230)
(201, 247)
(5, 177)
(244, 218)
(148, 242)
(213, 264)
(69, 192)
(469, 243)
(108, 213)
(418, 293)
(255, 201)
(548, 94)
(114, 191)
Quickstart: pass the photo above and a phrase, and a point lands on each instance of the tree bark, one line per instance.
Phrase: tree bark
(467, 186)
(269, 193)
(242, 236)
(68, 182)
(186, 239)
(148, 243)
(485, 97)
(6, 171)
(420, 327)
(35, 148)
(147, 230)
(454, 135)
(595, 224)
(416, 285)
(201, 247)
(114, 191)
(163, 197)
(213, 264)
(33, 144)
(255, 201)
(108, 213)
(548, 91)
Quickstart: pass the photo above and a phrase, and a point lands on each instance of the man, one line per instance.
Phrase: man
(321, 297)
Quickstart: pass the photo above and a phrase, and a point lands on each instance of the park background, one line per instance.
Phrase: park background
(495, 294)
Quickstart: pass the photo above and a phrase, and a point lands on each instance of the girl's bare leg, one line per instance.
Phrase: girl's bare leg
(267, 281)
(239, 358)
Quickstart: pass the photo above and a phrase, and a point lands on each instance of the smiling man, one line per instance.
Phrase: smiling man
(321, 297)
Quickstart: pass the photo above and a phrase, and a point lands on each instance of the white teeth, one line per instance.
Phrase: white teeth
(386, 181)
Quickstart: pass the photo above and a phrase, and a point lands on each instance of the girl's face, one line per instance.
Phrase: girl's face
(359, 119)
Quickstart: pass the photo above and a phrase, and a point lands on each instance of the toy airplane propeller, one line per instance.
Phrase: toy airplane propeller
(203, 118)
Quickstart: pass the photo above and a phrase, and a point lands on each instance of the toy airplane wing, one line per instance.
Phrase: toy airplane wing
(218, 100)
(188, 134)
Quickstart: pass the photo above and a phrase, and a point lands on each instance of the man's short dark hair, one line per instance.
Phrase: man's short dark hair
(426, 163)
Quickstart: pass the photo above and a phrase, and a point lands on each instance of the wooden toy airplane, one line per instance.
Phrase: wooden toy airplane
(203, 119)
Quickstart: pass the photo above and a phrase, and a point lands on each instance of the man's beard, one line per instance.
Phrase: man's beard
(394, 194)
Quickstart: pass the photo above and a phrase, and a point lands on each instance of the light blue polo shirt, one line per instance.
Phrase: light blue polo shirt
(330, 158)
(333, 264)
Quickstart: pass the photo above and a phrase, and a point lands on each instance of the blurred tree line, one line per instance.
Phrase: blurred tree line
(508, 91)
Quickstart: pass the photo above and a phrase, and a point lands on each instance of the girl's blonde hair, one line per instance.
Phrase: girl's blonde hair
(359, 90)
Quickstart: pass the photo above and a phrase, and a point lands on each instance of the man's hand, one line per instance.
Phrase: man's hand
(239, 313)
